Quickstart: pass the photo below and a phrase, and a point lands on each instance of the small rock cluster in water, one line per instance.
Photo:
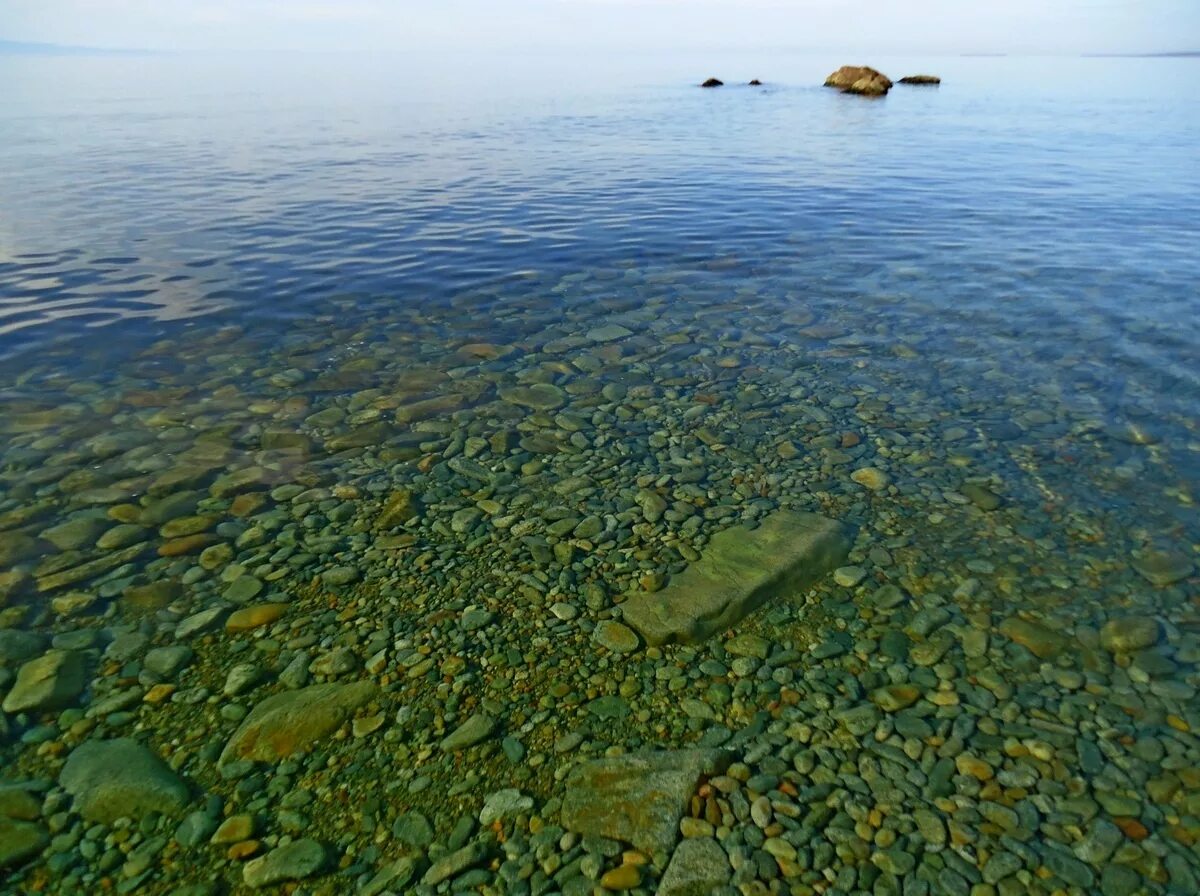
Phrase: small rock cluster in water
(343, 607)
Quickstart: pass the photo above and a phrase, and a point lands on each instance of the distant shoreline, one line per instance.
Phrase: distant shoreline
(1180, 54)
(27, 48)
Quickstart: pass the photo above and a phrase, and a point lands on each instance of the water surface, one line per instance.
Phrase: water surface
(420, 373)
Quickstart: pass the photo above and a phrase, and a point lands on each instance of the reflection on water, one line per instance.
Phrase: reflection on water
(340, 434)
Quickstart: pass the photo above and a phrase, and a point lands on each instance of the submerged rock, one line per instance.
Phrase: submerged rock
(1129, 633)
(1162, 568)
(713, 82)
(121, 778)
(932, 80)
(638, 798)
(475, 729)
(616, 637)
(52, 681)
(859, 79)
(1040, 640)
(739, 571)
(20, 840)
(295, 720)
(698, 867)
(295, 861)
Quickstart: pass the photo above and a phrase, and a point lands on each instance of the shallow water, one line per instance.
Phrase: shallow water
(268, 329)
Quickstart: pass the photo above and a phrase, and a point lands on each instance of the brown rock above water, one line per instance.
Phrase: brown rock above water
(713, 82)
(931, 80)
(859, 79)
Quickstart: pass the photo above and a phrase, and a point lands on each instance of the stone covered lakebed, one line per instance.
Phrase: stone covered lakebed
(814, 559)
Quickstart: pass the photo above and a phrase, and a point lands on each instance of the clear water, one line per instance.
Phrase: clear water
(284, 269)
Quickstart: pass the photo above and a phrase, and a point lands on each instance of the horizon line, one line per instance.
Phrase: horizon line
(20, 47)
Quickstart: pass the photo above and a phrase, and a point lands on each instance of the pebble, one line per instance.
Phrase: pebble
(849, 576)
(614, 636)
(478, 727)
(294, 861)
(1129, 633)
(871, 478)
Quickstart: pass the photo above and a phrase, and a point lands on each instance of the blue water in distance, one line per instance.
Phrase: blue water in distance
(140, 190)
(270, 296)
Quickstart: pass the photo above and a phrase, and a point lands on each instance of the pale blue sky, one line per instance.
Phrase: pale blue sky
(885, 26)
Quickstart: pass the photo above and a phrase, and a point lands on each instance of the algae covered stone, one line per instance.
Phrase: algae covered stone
(739, 571)
(475, 729)
(20, 840)
(639, 797)
(121, 778)
(1162, 568)
(293, 861)
(1040, 640)
(1129, 633)
(51, 681)
(293, 721)
(698, 867)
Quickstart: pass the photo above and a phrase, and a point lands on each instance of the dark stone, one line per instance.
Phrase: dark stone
(756, 83)
(931, 80)
(713, 82)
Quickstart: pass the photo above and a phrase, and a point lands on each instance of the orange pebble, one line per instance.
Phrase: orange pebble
(243, 850)
(253, 617)
(188, 544)
(1132, 828)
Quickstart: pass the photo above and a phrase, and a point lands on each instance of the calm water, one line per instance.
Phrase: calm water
(421, 367)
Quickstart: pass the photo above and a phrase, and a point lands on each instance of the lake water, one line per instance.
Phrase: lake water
(353, 407)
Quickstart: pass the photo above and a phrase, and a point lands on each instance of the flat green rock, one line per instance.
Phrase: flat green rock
(51, 681)
(120, 778)
(638, 798)
(20, 841)
(739, 571)
(294, 721)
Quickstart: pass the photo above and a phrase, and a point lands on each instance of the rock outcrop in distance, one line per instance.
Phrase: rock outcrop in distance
(713, 82)
(859, 79)
(931, 80)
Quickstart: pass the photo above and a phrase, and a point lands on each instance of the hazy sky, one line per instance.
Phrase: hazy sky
(925, 26)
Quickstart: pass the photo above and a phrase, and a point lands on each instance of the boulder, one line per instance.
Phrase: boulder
(739, 571)
(756, 83)
(20, 841)
(713, 82)
(293, 721)
(1041, 640)
(1162, 568)
(931, 80)
(293, 861)
(638, 798)
(477, 728)
(859, 79)
(51, 681)
(121, 778)
(698, 867)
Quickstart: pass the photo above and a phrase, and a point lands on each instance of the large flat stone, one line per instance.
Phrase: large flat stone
(697, 868)
(20, 841)
(638, 798)
(121, 778)
(740, 570)
(51, 681)
(293, 721)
